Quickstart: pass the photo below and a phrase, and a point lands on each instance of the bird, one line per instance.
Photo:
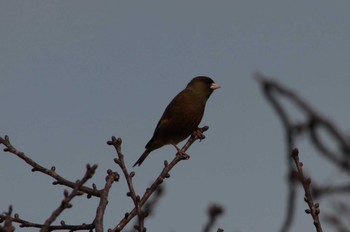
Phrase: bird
(182, 116)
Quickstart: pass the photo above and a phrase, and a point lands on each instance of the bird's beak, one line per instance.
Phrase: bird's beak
(215, 86)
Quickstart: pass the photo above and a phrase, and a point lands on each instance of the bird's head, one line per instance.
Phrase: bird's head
(202, 85)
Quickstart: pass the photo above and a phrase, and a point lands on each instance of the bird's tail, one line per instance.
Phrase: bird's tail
(142, 158)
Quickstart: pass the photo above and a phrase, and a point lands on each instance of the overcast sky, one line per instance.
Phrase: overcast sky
(74, 73)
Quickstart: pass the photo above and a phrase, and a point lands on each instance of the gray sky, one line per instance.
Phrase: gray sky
(74, 73)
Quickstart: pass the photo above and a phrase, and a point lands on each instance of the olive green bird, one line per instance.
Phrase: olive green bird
(182, 116)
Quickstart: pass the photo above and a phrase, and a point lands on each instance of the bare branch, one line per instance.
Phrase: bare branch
(50, 172)
(314, 208)
(26, 224)
(322, 191)
(290, 131)
(79, 189)
(159, 180)
(314, 122)
(8, 221)
(214, 212)
(110, 179)
(149, 206)
(90, 171)
(135, 198)
(312, 126)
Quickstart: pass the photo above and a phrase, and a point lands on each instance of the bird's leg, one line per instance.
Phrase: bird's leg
(198, 133)
(181, 152)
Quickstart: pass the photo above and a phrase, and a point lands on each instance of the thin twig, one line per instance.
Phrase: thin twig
(149, 206)
(50, 172)
(312, 126)
(132, 193)
(90, 171)
(314, 122)
(290, 131)
(314, 208)
(110, 179)
(159, 180)
(8, 227)
(214, 212)
(26, 224)
(323, 191)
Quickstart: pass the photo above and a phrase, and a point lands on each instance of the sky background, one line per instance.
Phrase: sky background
(74, 73)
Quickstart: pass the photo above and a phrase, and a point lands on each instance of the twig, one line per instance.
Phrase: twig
(321, 191)
(8, 227)
(90, 171)
(132, 193)
(290, 130)
(110, 179)
(340, 224)
(163, 175)
(26, 224)
(214, 211)
(314, 208)
(50, 172)
(311, 126)
(314, 122)
(149, 206)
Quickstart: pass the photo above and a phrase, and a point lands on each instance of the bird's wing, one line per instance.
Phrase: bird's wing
(174, 124)
(175, 108)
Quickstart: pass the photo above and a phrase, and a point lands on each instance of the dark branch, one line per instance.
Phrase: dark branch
(135, 198)
(269, 87)
(50, 172)
(313, 124)
(26, 224)
(110, 179)
(314, 208)
(163, 175)
(90, 171)
(214, 212)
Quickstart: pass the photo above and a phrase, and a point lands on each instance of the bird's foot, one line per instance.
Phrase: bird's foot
(181, 153)
(198, 133)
